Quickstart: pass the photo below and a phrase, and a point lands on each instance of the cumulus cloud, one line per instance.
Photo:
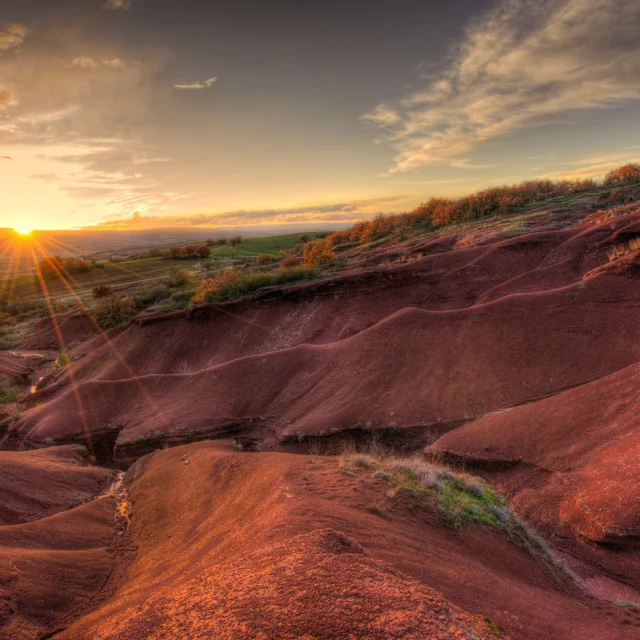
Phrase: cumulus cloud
(522, 64)
(117, 4)
(13, 36)
(205, 84)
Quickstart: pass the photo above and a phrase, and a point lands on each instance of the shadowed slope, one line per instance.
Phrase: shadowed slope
(416, 367)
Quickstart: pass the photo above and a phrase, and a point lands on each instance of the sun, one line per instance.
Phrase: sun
(22, 231)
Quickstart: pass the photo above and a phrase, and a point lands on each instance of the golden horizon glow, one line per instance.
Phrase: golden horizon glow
(22, 230)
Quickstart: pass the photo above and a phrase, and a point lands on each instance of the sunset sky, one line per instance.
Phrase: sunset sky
(239, 112)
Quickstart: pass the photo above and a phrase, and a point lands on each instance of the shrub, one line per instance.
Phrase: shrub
(620, 250)
(318, 253)
(263, 259)
(188, 252)
(102, 291)
(8, 395)
(178, 278)
(232, 284)
(291, 261)
(235, 240)
(62, 361)
(627, 174)
(114, 310)
(148, 297)
(55, 266)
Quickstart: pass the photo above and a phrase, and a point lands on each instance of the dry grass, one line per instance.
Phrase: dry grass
(458, 496)
(183, 366)
(620, 250)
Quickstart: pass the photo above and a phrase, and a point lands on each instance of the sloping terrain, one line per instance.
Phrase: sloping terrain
(287, 546)
(572, 463)
(56, 531)
(512, 349)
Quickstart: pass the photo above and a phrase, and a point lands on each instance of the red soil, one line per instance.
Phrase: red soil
(285, 546)
(574, 462)
(70, 327)
(37, 484)
(532, 337)
(54, 554)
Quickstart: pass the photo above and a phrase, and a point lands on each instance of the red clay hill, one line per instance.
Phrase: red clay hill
(508, 346)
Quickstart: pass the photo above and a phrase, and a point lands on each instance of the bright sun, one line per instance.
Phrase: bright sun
(23, 231)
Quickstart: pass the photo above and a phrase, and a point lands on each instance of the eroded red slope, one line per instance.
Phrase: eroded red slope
(56, 538)
(266, 545)
(574, 463)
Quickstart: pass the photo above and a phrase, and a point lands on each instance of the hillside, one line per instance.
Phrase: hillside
(506, 346)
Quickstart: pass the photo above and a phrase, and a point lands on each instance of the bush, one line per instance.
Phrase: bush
(232, 284)
(189, 252)
(263, 259)
(56, 267)
(627, 174)
(62, 361)
(318, 253)
(148, 297)
(102, 291)
(291, 261)
(114, 310)
(178, 278)
(9, 395)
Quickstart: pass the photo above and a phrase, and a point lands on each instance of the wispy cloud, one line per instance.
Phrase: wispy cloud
(205, 84)
(117, 4)
(7, 99)
(522, 64)
(87, 62)
(336, 213)
(13, 36)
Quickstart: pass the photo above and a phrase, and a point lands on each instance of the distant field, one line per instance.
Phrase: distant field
(251, 247)
(134, 274)
(121, 275)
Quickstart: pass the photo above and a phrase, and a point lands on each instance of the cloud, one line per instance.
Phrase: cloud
(13, 36)
(206, 84)
(117, 4)
(6, 158)
(87, 62)
(7, 99)
(522, 64)
(335, 213)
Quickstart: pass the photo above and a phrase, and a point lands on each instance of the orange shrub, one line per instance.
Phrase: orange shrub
(627, 174)
(318, 253)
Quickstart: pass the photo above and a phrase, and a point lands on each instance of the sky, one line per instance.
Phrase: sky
(152, 113)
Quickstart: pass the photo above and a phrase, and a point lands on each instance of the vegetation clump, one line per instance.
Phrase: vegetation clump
(626, 175)
(459, 497)
(232, 284)
(58, 267)
(62, 360)
(9, 395)
(102, 291)
(114, 310)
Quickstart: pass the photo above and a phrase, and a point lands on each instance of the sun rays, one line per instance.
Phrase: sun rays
(25, 248)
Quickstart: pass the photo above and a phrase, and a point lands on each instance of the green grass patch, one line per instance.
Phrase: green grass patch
(229, 287)
(458, 497)
(9, 395)
(252, 247)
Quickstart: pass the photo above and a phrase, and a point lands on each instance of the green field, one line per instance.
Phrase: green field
(147, 272)
(252, 247)
(119, 276)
